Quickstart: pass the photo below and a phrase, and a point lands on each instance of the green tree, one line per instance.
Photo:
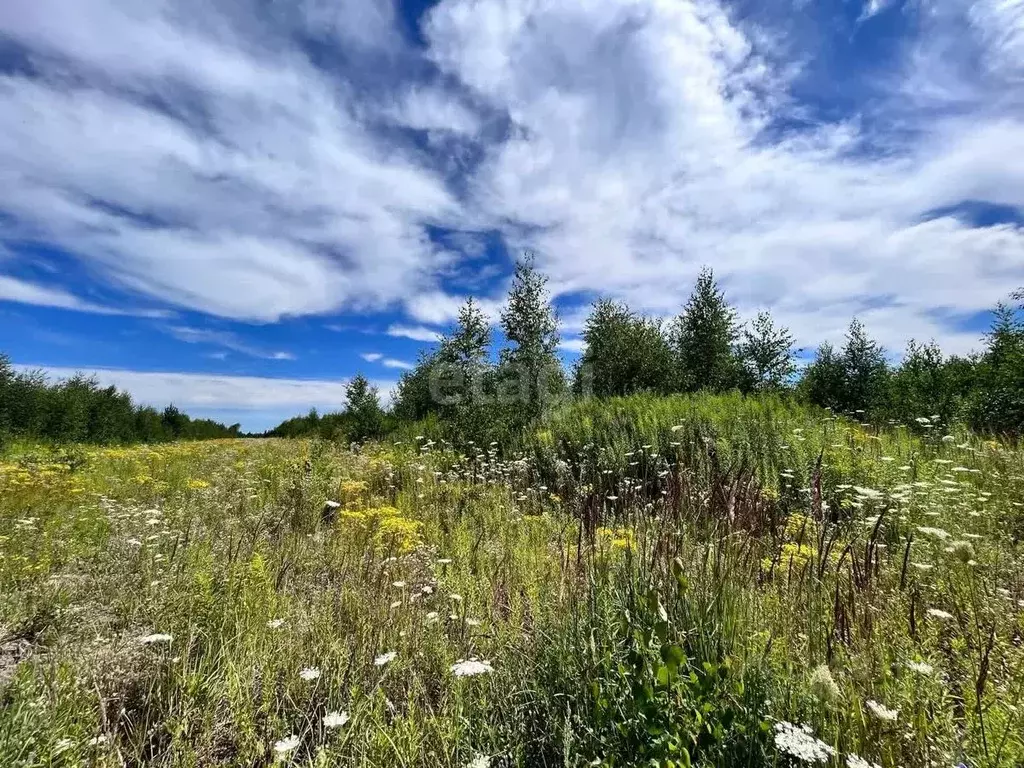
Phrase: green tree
(625, 353)
(997, 403)
(927, 383)
(767, 355)
(529, 372)
(703, 337)
(413, 400)
(365, 416)
(461, 377)
(865, 372)
(823, 380)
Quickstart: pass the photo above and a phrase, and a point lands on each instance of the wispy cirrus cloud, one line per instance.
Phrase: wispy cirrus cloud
(205, 157)
(414, 332)
(226, 340)
(24, 292)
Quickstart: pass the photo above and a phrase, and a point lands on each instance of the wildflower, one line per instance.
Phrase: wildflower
(97, 740)
(939, 614)
(920, 667)
(881, 711)
(309, 674)
(480, 761)
(286, 745)
(384, 658)
(275, 623)
(938, 533)
(63, 744)
(472, 622)
(798, 741)
(444, 561)
(471, 667)
(854, 761)
(335, 719)
(455, 598)
(823, 685)
(155, 639)
(432, 617)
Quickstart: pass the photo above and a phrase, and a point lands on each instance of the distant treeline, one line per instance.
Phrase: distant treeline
(468, 394)
(80, 410)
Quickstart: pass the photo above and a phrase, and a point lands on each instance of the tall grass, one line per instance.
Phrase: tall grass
(641, 595)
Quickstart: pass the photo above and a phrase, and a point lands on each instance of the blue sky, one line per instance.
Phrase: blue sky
(236, 205)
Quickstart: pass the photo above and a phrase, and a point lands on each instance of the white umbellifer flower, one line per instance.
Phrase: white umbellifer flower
(398, 584)
(471, 667)
(384, 658)
(920, 667)
(97, 740)
(936, 532)
(823, 685)
(286, 745)
(480, 761)
(155, 639)
(335, 719)
(275, 623)
(309, 674)
(855, 761)
(444, 561)
(798, 741)
(939, 614)
(456, 598)
(881, 711)
(432, 617)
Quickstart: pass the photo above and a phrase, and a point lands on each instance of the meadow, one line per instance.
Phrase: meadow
(660, 581)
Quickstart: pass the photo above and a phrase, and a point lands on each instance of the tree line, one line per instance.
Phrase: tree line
(78, 409)
(471, 394)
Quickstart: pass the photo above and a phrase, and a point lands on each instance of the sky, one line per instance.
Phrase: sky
(236, 205)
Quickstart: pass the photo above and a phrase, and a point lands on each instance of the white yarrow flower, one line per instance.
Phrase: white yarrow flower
(881, 711)
(335, 719)
(480, 761)
(920, 667)
(471, 667)
(286, 745)
(156, 639)
(275, 623)
(384, 658)
(938, 613)
(309, 674)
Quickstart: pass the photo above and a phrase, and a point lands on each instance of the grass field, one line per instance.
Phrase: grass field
(667, 582)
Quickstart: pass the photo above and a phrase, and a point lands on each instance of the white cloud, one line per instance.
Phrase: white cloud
(633, 141)
(261, 195)
(573, 345)
(641, 154)
(414, 332)
(390, 362)
(224, 339)
(22, 292)
(209, 391)
(371, 357)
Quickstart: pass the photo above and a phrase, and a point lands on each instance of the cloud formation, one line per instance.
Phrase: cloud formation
(210, 157)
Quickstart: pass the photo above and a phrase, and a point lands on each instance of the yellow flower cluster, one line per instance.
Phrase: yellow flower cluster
(616, 539)
(386, 526)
